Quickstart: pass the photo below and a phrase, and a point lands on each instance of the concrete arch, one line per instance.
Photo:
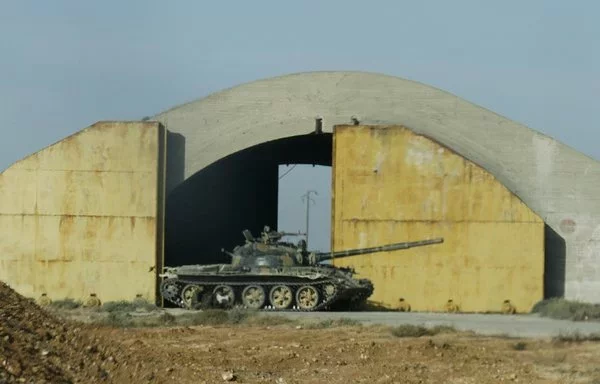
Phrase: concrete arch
(557, 182)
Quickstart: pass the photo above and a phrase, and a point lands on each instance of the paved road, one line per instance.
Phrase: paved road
(511, 325)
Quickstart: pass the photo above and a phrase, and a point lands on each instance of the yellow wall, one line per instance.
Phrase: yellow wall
(85, 215)
(392, 185)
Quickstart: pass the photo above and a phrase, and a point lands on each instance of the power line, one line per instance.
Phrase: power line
(308, 201)
(288, 171)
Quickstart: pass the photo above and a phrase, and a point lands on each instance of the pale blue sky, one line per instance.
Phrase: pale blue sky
(67, 64)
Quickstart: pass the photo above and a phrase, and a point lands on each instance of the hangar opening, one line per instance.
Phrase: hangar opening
(208, 211)
(304, 203)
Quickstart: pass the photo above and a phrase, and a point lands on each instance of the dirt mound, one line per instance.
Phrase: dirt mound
(36, 347)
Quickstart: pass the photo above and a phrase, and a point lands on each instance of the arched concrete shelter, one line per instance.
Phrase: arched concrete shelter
(557, 182)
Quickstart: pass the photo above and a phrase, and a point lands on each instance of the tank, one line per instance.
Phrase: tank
(267, 273)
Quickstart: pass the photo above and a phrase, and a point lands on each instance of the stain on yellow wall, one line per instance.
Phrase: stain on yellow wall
(81, 216)
(392, 185)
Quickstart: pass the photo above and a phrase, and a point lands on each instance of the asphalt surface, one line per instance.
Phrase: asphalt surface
(506, 325)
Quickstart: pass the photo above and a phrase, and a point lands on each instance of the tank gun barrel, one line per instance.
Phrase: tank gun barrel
(323, 256)
(292, 233)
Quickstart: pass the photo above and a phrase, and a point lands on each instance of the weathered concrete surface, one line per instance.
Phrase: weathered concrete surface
(392, 185)
(557, 182)
(484, 324)
(85, 215)
(511, 325)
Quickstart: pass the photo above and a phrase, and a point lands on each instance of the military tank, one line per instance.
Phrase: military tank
(267, 273)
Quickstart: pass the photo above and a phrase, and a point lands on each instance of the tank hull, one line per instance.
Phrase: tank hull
(301, 289)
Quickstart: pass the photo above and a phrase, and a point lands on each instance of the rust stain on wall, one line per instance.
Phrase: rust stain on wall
(392, 185)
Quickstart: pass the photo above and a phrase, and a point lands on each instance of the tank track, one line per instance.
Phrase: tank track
(175, 297)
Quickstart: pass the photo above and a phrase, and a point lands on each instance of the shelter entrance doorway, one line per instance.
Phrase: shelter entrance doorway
(208, 211)
(304, 202)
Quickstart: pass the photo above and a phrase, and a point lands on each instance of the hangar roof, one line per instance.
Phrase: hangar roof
(550, 177)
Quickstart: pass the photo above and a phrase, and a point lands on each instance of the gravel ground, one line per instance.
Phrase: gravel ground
(45, 346)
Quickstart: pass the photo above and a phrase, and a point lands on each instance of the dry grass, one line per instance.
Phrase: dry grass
(331, 323)
(66, 304)
(128, 306)
(567, 310)
(408, 330)
(576, 337)
(519, 346)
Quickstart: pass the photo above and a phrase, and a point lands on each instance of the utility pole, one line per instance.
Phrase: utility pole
(309, 200)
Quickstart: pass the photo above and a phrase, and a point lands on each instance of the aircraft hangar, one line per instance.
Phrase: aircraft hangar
(104, 209)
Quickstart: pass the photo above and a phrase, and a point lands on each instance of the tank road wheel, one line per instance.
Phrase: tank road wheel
(307, 297)
(329, 291)
(169, 290)
(253, 296)
(223, 296)
(281, 296)
(190, 294)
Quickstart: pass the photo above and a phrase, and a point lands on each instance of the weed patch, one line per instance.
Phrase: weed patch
(330, 323)
(567, 310)
(520, 346)
(576, 337)
(128, 306)
(167, 319)
(408, 330)
(66, 304)
(217, 317)
(118, 320)
(269, 320)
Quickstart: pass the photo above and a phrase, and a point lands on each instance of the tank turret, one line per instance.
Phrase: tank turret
(268, 273)
(270, 250)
